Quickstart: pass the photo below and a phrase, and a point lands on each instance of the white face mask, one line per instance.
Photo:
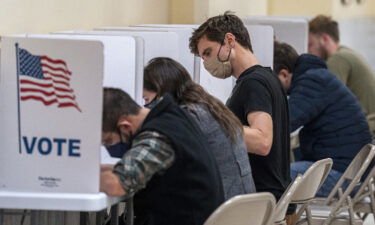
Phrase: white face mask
(218, 68)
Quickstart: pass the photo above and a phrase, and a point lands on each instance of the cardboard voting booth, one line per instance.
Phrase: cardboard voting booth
(291, 30)
(185, 57)
(50, 111)
(51, 103)
(155, 43)
(123, 60)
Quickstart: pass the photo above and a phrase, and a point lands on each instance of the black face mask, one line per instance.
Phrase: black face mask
(118, 150)
(151, 104)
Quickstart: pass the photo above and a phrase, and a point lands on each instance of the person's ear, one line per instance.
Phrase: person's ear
(284, 74)
(124, 125)
(285, 78)
(230, 38)
(325, 38)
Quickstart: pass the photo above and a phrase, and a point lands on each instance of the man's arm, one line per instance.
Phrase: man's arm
(110, 183)
(259, 135)
(151, 153)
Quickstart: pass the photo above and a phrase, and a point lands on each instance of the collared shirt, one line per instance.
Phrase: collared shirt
(151, 153)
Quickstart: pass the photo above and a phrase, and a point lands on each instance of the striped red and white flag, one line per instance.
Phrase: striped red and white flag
(46, 80)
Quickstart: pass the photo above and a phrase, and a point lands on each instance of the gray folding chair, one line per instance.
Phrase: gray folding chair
(249, 209)
(311, 181)
(364, 199)
(283, 203)
(339, 200)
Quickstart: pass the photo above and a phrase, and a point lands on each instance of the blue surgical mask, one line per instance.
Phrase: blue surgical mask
(118, 150)
(151, 104)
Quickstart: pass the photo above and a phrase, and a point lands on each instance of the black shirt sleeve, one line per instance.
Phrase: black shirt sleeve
(258, 97)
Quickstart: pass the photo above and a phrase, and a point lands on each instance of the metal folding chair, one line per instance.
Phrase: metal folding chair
(340, 200)
(249, 209)
(311, 181)
(283, 203)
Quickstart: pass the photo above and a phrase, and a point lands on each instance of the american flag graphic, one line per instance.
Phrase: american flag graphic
(46, 80)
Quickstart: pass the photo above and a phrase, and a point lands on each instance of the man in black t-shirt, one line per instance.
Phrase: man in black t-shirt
(258, 98)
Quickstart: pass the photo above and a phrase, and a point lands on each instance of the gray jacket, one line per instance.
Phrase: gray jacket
(232, 158)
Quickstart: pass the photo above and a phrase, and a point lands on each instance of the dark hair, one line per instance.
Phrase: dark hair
(215, 29)
(284, 57)
(116, 103)
(324, 24)
(164, 75)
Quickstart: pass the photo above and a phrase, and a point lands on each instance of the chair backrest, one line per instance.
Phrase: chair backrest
(251, 209)
(353, 174)
(283, 203)
(312, 180)
(365, 190)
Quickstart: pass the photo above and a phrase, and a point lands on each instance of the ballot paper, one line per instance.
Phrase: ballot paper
(105, 158)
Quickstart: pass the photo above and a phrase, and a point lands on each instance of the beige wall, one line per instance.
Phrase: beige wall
(43, 16)
(181, 11)
(306, 8)
(353, 9)
(311, 8)
(197, 11)
(240, 7)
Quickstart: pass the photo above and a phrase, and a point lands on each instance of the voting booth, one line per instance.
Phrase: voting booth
(155, 43)
(50, 111)
(185, 57)
(291, 30)
(123, 60)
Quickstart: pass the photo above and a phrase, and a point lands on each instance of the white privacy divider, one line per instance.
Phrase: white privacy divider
(291, 30)
(261, 37)
(186, 58)
(155, 43)
(50, 115)
(123, 60)
(169, 25)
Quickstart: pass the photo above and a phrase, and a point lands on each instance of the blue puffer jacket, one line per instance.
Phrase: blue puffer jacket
(334, 125)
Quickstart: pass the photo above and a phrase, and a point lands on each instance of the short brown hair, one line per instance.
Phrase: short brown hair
(325, 24)
(284, 57)
(215, 29)
(116, 103)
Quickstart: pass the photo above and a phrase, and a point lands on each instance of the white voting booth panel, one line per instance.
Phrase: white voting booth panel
(262, 42)
(50, 116)
(293, 31)
(186, 58)
(123, 61)
(155, 43)
(169, 25)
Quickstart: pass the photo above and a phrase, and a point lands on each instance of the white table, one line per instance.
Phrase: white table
(38, 202)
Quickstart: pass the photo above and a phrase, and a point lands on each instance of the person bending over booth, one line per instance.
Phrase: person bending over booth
(168, 165)
(350, 67)
(333, 124)
(220, 126)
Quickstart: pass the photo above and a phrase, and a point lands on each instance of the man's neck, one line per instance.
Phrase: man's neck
(243, 60)
(138, 119)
